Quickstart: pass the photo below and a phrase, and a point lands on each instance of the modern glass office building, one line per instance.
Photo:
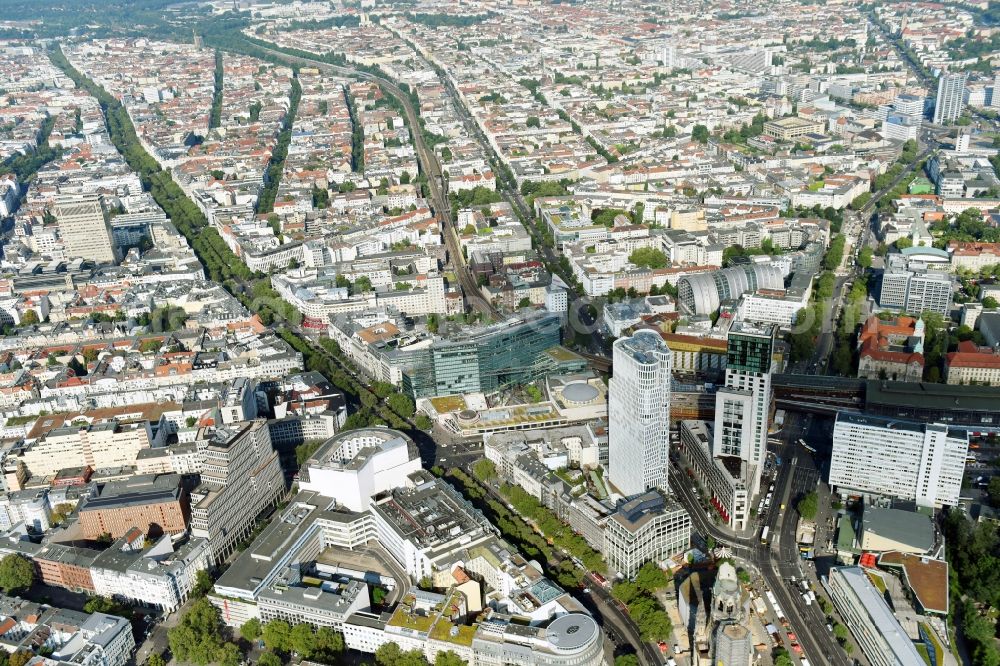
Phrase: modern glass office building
(483, 359)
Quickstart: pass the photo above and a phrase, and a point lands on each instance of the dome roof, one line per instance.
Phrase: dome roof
(580, 392)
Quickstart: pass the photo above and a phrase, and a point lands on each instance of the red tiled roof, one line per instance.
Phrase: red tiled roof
(971, 356)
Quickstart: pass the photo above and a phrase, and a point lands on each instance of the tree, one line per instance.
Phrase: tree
(302, 639)
(401, 404)
(524, 303)
(865, 257)
(700, 134)
(20, 658)
(106, 605)
(156, 659)
(327, 645)
(378, 595)
(626, 660)
(17, 573)
(423, 422)
(533, 122)
(362, 285)
(993, 490)
(840, 632)
(649, 257)
(808, 506)
(448, 658)
(30, 318)
(651, 578)
(229, 655)
(269, 659)
(990, 303)
(389, 654)
(203, 583)
(61, 511)
(625, 592)
(485, 470)
(277, 634)
(197, 638)
(251, 629)
(860, 200)
(835, 253)
(781, 657)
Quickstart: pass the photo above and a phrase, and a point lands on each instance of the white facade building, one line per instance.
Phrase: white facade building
(356, 465)
(912, 461)
(639, 413)
(84, 228)
(647, 528)
(950, 98)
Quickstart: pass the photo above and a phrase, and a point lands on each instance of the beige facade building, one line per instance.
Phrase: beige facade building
(788, 129)
(84, 228)
(100, 445)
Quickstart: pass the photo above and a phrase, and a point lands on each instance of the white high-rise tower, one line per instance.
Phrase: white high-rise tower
(950, 98)
(639, 413)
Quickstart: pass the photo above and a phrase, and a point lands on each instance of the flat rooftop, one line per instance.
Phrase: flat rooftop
(905, 527)
(256, 564)
(933, 396)
(136, 491)
(900, 425)
(353, 448)
(928, 578)
(883, 621)
(431, 514)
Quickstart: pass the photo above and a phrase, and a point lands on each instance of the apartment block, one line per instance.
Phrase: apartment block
(107, 444)
(913, 288)
(950, 97)
(56, 635)
(970, 364)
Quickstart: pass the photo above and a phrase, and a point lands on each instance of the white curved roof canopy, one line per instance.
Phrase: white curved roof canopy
(702, 293)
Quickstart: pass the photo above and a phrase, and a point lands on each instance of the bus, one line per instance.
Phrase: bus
(805, 446)
(763, 534)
